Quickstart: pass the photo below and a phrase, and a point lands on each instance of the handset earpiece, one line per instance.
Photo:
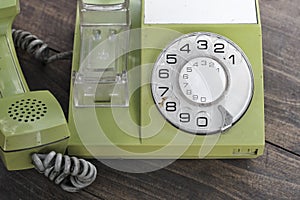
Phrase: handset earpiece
(29, 123)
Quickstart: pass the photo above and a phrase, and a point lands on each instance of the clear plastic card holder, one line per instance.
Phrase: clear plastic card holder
(101, 80)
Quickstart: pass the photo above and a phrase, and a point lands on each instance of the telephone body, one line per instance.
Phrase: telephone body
(30, 122)
(167, 79)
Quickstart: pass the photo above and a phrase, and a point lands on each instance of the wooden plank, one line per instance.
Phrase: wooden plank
(281, 33)
(29, 184)
(52, 21)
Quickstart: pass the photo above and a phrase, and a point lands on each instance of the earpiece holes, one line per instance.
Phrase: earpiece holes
(27, 110)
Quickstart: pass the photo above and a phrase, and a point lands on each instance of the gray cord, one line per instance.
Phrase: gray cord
(71, 173)
(33, 45)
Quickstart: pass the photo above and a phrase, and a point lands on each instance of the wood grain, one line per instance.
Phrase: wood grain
(281, 39)
(53, 22)
(275, 175)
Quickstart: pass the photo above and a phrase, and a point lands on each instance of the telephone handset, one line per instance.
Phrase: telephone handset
(30, 122)
(33, 129)
(167, 79)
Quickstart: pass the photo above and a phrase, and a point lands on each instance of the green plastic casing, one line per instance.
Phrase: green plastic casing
(107, 139)
(9, 67)
(30, 122)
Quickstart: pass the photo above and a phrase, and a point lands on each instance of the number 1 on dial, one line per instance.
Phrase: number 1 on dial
(232, 58)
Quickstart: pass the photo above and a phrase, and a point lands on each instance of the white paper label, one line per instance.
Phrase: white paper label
(200, 12)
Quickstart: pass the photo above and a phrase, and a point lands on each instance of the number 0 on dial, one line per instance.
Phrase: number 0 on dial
(202, 83)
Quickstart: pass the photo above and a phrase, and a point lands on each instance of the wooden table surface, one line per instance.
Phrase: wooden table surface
(275, 175)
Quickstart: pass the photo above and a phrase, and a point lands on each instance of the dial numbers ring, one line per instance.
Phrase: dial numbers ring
(207, 71)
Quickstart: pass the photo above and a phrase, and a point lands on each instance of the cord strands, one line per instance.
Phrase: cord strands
(33, 45)
(71, 173)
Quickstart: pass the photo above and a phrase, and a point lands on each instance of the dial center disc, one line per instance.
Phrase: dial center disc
(202, 80)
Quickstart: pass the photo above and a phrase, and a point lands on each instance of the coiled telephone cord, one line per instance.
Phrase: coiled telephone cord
(71, 173)
(33, 45)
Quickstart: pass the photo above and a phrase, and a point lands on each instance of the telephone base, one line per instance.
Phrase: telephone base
(112, 133)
